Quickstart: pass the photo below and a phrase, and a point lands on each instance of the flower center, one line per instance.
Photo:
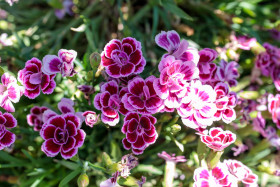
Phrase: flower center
(120, 57)
(61, 136)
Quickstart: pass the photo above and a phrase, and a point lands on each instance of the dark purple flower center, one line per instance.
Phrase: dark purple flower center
(114, 102)
(61, 136)
(120, 57)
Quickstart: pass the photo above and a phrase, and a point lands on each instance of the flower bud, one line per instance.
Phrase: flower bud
(83, 180)
(91, 118)
(175, 128)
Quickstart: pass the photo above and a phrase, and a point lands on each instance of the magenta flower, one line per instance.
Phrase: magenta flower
(172, 85)
(170, 41)
(241, 172)
(272, 137)
(109, 102)
(275, 34)
(123, 58)
(140, 132)
(62, 134)
(34, 80)
(10, 92)
(218, 139)
(141, 96)
(63, 63)
(86, 89)
(205, 65)
(91, 118)
(227, 72)
(244, 42)
(274, 108)
(198, 108)
(225, 102)
(35, 118)
(219, 176)
(7, 121)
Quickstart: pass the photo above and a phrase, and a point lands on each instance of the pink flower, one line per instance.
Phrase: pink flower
(7, 138)
(63, 63)
(62, 134)
(274, 108)
(109, 102)
(219, 176)
(123, 58)
(227, 72)
(170, 41)
(34, 80)
(141, 96)
(140, 132)
(244, 42)
(172, 85)
(218, 139)
(172, 157)
(10, 92)
(225, 102)
(241, 172)
(91, 118)
(198, 107)
(205, 65)
(35, 118)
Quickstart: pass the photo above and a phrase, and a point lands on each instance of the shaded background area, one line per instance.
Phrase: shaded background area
(36, 32)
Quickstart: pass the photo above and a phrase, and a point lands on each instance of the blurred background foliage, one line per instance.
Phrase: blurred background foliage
(36, 32)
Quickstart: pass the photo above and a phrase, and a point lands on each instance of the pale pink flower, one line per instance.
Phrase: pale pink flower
(4, 40)
(10, 92)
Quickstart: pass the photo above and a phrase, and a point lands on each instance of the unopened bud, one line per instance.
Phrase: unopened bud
(83, 180)
(175, 128)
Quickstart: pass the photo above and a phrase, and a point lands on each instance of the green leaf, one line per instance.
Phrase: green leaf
(149, 169)
(173, 8)
(96, 167)
(129, 181)
(1, 71)
(55, 4)
(69, 177)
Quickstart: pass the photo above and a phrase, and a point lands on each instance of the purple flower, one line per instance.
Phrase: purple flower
(67, 8)
(141, 96)
(91, 118)
(227, 72)
(86, 89)
(239, 149)
(141, 181)
(5, 41)
(225, 102)
(7, 138)
(171, 157)
(35, 118)
(123, 58)
(205, 65)
(174, 79)
(62, 134)
(244, 42)
(259, 124)
(128, 162)
(109, 102)
(10, 92)
(198, 108)
(34, 80)
(275, 34)
(170, 41)
(63, 63)
(140, 132)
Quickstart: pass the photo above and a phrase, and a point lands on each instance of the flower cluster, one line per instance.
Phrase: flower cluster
(10, 92)
(7, 121)
(268, 62)
(189, 82)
